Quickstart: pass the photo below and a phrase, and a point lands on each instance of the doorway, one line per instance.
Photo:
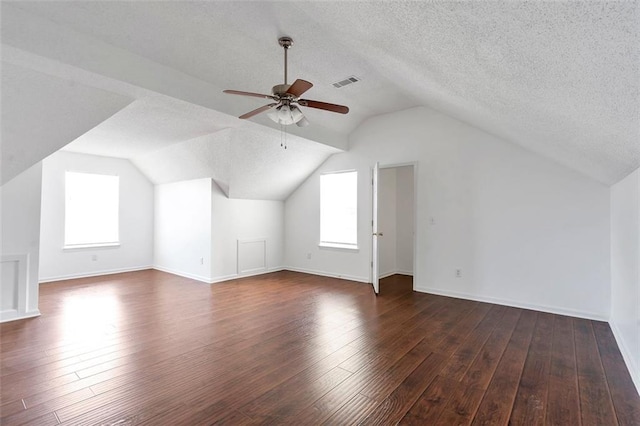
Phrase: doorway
(396, 228)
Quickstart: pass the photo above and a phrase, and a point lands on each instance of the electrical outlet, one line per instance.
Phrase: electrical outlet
(458, 273)
(308, 255)
(94, 257)
(202, 260)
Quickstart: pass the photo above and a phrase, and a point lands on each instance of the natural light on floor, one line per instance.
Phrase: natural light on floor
(89, 319)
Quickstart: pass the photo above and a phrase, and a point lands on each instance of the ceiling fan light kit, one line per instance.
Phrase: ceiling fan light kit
(286, 114)
(285, 110)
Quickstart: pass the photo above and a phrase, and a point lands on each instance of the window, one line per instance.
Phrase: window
(339, 210)
(91, 210)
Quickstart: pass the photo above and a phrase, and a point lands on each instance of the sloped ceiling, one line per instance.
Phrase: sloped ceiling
(60, 111)
(557, 78)
(239, 161)
(171, 141)
(144, 126)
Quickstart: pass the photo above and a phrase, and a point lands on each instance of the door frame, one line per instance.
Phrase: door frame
(413, 164)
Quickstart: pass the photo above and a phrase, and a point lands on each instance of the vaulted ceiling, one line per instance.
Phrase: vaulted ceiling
(558, 78)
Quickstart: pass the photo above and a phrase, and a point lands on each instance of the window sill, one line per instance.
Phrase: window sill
(340, 247)
(90, 246)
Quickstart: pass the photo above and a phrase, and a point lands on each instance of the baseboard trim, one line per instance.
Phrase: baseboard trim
(245, 275)
(515, 304)
(183, 274)
(219, 279)
(13, 315)
(223, 278)
(634, 370)
(388, 274)
(327, 274)
(94, 274)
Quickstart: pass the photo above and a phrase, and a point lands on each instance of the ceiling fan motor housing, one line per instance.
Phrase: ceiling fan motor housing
(281, 90)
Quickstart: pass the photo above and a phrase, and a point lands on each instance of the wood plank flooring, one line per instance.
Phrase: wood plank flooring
(152, 348)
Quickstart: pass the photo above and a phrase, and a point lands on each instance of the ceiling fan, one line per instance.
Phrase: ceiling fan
(285, 109)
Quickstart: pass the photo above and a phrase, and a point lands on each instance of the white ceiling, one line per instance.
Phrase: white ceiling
(170, 141)
(557, 78)
(242, 162)
(144, 126)
(59, 111)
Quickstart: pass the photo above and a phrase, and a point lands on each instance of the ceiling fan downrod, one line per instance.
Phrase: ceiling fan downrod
(286, 43)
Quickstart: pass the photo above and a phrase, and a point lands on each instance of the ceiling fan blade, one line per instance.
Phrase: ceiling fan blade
(299, 87)
(257, 111)
(324, 105)
(255, 95)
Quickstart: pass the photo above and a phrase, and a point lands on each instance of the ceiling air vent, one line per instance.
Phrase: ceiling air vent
(346, 81)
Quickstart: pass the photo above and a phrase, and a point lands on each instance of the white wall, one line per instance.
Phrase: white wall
(198, 228)
(625, 270)
(182, 235)
(524, 230)
(404, 219)
(136, 220)
(387, 222)
(302, 226)
(20, 218)
(238, 219)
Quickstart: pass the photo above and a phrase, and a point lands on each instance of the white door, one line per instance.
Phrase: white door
(375, 280)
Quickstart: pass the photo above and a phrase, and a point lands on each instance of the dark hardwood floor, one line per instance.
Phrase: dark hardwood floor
(288, 348)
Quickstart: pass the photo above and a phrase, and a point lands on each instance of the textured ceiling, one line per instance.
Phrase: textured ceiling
(143, 126)
(171, 141)
(240, 161)
(558, 78)
(59, 111)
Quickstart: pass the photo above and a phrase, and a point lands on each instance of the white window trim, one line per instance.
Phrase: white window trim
(102, 244)
(340, 246)
(89, 246)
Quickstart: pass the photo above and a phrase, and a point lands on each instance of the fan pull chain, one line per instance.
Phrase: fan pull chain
(283, 136)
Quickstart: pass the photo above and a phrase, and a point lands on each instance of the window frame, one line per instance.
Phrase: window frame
(78, 246)
(342, 246)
